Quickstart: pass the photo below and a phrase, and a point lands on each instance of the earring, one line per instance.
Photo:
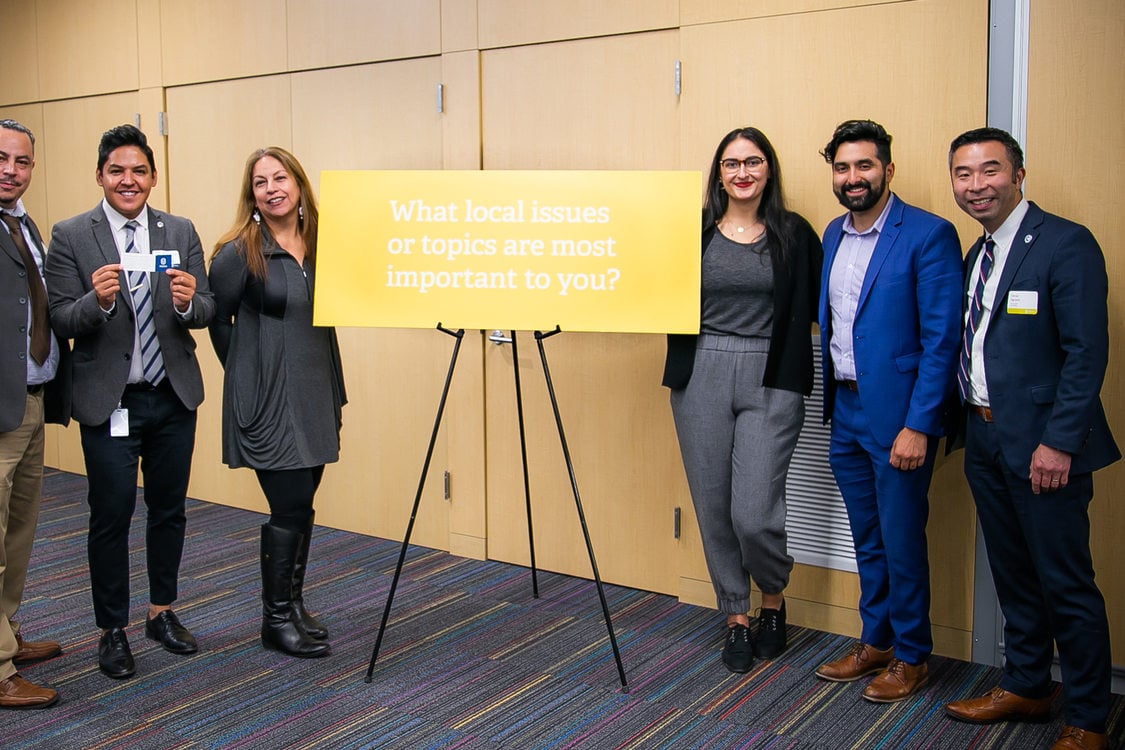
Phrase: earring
(257, 217)
(300, 212)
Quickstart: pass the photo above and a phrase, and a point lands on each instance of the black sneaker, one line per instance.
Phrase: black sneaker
(771, 642)
(738, 654)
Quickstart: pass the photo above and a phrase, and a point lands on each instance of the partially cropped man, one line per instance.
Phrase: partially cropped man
(29, 362)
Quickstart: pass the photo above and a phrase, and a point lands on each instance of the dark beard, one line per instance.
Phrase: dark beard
(863, 202)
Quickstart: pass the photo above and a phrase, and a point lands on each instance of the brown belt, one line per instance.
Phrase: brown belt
(851, 385)
(981, 411)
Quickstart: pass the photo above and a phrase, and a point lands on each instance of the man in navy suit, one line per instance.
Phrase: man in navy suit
(136, 382)
(890, 326)
(1034, 355)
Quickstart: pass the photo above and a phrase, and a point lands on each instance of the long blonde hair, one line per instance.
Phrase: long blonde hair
(246, 233)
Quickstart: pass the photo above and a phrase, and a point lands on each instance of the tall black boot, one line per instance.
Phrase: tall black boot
(312, 625)
(281, 628)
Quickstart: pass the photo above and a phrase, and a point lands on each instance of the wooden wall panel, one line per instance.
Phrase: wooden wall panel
(1074, 151)
(86, 47)
(458, 25)
(21, 44)
(361, 31)
(507, 23)
(380, 116)
(711, 11)
(589, 104)
(210, 40)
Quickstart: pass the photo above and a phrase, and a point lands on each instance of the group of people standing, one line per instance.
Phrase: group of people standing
(133, 384)
(1003, 353)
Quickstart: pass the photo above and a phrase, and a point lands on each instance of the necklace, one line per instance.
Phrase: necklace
(732, 226)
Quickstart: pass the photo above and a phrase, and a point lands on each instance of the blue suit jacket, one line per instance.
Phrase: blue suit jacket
(1045, 370)
(907, 328)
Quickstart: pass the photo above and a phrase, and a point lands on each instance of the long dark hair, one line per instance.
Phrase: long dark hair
(771, 210)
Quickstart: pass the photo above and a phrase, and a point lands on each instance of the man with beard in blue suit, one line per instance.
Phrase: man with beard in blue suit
(890, 310)
(1033, 358)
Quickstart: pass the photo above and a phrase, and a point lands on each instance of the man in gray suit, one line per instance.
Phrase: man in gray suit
(30, 359)
(127, 282)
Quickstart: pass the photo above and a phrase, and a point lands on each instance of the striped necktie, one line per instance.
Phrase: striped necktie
(976, 309)
(152, 364)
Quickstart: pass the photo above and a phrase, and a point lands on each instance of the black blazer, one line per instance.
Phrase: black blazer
(796, 294)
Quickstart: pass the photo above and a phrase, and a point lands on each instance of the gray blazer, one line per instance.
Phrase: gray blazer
(13, 342)
(103, 344)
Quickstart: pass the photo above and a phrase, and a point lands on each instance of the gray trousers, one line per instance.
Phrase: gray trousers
(737, 438)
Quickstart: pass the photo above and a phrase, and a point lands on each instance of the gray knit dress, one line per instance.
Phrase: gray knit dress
(283, 387)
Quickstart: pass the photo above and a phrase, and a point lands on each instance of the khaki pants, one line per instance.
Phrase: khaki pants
(21, 482)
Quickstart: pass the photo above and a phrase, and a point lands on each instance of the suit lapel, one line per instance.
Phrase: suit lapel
(158, 282)
(1021, 245)
(887, 237)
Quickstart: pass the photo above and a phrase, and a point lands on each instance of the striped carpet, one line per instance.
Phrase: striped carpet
(469, 661)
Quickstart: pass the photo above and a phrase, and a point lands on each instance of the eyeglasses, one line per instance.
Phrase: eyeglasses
(752, 164)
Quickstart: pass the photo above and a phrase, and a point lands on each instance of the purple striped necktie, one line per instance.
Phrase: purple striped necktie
(976, 308)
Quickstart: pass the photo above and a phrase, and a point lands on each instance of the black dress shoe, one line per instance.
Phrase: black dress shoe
(114, 657)
(771, 641)
(738, 653)
(168, 631)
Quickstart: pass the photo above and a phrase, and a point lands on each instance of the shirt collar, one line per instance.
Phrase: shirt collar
(877, 227)
(18, 211)
(1006, 232)
(117, 221)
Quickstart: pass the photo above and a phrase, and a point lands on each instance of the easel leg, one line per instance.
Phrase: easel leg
(523, 456)
(417, 497)
(539, 336)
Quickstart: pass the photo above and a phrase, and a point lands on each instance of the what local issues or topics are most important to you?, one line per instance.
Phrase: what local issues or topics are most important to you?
(586, 251)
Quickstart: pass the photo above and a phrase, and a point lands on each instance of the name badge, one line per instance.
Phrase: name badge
(1023, 303)
(119, 423)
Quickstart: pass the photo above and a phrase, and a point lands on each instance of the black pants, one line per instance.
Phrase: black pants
(161, 441)
(290, 494)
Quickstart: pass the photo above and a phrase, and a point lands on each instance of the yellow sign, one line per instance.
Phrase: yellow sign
(587, 251)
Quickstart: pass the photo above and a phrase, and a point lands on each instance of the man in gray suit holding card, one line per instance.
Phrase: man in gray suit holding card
(136, 381)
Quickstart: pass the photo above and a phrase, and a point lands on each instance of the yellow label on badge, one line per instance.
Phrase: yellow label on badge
(587, 251)
(1023, 303)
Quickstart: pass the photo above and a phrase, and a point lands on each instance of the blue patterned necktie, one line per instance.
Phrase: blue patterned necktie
(976, 308)
(151, 362)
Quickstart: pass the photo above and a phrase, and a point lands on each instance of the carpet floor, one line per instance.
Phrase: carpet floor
(470, 660)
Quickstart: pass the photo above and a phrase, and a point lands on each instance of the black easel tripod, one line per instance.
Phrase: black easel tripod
(539, 336)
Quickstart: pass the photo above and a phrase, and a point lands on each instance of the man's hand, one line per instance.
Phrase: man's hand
(909, 449)
(107, 283)
(182, 285)
(1050, 469)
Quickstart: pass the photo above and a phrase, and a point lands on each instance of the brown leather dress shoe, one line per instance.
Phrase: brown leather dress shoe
(16, 692)
(1073, 738)
(861, 661)
(32, 651)
(897, 682)
(1000, 705)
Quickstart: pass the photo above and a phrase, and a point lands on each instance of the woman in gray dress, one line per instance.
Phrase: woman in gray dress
(283, 386)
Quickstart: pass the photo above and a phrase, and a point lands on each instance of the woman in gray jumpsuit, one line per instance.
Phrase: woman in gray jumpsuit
(283, 387)
(738, 387)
